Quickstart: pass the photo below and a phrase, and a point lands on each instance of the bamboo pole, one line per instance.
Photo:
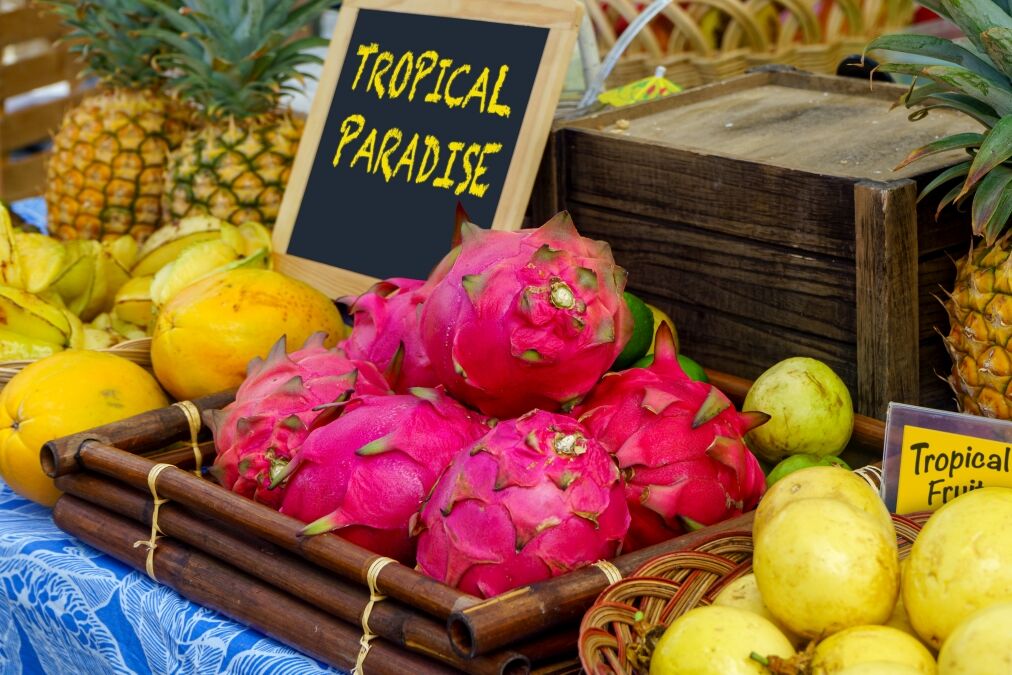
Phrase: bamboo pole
(390, 619)
(149, 431)
(182, 456)
(336, 554)
(476, 627)
(212, 584)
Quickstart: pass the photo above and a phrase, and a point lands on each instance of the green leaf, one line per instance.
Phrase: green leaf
(172, 39)
(917, 95)
(954, 142)
(991, 204)
(976, 16)
(994, 150)
(181, 23)
(931, 50)
(308, 12)
(998, 44)
(951, 173)
(962, 103)
(998, 222)
(961, 80)
(949, 197)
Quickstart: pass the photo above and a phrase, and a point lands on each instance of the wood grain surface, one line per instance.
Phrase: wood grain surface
(736, 208)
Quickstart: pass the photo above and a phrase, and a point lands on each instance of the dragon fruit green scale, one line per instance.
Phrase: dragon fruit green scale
(534, 498)
(525, 320)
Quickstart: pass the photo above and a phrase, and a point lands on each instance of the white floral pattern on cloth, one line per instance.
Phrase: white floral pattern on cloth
(67, 608)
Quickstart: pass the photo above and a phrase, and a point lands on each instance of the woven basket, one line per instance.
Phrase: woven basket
(138, 351)
(615, 639)
(702, 41)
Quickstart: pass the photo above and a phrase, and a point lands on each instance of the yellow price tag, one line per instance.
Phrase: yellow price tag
(937, 466)
(932, 457)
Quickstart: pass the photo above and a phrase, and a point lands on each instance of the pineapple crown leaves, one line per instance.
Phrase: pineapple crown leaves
(107, 35)
(973, 76)
(235, 58)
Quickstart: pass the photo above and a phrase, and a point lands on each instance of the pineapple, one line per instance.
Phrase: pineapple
(234, 60)
(107, 172)
(971, 75)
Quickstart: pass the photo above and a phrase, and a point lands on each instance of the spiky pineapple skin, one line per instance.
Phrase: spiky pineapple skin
(235, 170)
(107, 172)
(980, 333)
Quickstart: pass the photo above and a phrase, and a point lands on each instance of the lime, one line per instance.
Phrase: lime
(642, 334)
(661, 317)
(796, 462)
(691, 368)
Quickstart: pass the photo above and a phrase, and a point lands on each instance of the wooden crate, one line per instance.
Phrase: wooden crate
(30, 58)
(251, 563)
(763, 214)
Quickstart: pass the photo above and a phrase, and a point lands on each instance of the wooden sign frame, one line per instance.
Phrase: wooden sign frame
(562, 19)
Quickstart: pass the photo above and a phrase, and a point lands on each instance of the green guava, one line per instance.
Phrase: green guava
(796, 462)
(691, 368)
(810, 410)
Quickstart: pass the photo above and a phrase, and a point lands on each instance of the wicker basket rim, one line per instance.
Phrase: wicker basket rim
(704, 584)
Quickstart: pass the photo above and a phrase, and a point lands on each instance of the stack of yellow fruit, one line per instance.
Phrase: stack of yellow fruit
(826, 573)
(86, 294)
(176, 256)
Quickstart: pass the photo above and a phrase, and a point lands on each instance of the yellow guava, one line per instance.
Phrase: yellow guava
(823, 566)
(823, 482)
(981, 644)
(743, 593)
(717, 641)
(960, 562)
(869, 644)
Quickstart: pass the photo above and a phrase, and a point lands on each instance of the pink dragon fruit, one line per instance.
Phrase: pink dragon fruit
(534, 498)
(275, 408)
(386, 332)
(368, 471)
(679, 444)
(527, 319)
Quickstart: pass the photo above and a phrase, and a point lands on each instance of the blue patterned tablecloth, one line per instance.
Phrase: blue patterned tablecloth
(66, 608)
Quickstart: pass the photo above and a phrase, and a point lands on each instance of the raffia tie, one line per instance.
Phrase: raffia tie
(152, 543)
(368, 636)
(609, 570)
(193, 419)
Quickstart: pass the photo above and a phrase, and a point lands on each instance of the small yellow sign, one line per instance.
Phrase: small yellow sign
(938, 466)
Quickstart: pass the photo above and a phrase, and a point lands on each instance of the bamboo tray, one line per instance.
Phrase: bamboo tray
(312, 593)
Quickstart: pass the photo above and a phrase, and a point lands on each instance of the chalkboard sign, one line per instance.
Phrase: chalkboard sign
(422, 104)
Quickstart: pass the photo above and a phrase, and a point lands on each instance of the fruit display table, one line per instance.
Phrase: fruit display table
(67, 608)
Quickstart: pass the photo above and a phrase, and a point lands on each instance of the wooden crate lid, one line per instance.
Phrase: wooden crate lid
(825, 125)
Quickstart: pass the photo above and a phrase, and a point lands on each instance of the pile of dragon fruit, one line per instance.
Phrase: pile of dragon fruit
(469, 423)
